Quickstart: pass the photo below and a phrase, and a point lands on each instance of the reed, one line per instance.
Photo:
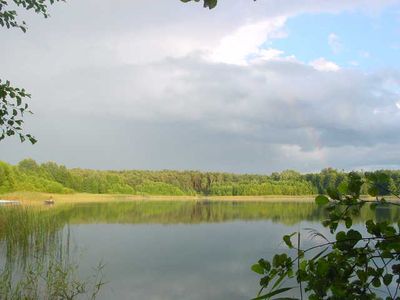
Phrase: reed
(34, 258)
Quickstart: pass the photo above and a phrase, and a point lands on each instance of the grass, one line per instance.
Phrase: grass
(34, 257)
(35, 198)
(26, 232)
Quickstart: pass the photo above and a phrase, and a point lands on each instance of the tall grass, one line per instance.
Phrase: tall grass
(34, 258)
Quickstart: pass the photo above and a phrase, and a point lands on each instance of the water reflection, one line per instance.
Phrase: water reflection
(204, 212)
(167, 250)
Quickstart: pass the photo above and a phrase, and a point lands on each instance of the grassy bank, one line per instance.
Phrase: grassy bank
(37, 198)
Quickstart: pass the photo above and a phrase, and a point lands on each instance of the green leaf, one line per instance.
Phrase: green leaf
(287, 240)
(257, 268)
(387, 279)
(322, 267)
(348, 222)
(362, 275)
(340, 236)
(321, 200)
(376, 282)
(266, 265)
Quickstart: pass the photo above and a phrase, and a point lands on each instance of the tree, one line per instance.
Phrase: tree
(353, 264)
(13, 100)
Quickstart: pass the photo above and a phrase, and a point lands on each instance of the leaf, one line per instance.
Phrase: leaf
(210, 3)
(321, 200)
(287, 240)
(387, 279)
(348, 222)
(266, 265)
(340, 236)
(376, 282)
(258, 269)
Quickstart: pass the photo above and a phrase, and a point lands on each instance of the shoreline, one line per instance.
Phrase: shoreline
(36, 198)
(39, 198)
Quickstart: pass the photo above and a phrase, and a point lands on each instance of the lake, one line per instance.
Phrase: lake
(183, 250)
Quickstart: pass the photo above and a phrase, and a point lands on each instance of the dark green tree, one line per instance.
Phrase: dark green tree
(13, 100)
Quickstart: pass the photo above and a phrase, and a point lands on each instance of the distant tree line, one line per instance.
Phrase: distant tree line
(50, 177)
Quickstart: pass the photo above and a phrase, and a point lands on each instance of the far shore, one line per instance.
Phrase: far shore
(36, 198)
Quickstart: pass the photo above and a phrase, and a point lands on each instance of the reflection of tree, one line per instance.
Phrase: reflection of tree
(196, 212)
(382, 213)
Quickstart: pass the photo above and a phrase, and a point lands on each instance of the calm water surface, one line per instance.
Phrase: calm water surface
(191, 250)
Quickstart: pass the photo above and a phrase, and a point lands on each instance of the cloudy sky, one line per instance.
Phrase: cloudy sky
(246, 87)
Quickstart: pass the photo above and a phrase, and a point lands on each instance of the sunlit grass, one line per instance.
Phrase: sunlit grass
(38, 198)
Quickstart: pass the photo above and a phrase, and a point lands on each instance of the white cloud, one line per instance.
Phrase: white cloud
(246, 41)
(321, 64)
(270, 53)
(335, 43)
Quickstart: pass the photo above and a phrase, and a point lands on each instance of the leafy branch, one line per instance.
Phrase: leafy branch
(351, 266)
(12, 110)
(8, 17)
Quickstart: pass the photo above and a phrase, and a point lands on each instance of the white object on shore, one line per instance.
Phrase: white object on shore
(13, 202)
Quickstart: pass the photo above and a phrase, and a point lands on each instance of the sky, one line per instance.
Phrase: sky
(248, 87)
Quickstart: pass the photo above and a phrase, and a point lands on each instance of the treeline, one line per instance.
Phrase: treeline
(50, 177)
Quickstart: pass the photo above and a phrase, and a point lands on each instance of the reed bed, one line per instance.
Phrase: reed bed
(35, 260)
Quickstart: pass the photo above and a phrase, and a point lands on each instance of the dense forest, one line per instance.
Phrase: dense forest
(50, 177)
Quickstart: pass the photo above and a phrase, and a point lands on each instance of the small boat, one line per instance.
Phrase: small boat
(49, 202)
(9, 202)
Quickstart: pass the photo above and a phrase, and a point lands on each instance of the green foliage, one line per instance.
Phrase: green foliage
(7, 181)
(353, 264)
(12, 109)
(159, 188)
(8, 17)
(50, 177)
(54, 178)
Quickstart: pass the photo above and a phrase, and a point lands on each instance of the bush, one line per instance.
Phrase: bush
(350, 265)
